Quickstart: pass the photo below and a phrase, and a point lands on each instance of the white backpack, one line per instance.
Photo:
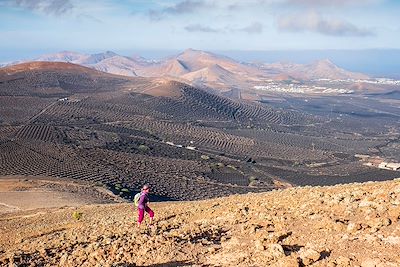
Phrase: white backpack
(136, 199)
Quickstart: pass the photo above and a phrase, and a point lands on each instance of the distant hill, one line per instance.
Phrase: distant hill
(45, 66)
(108, 62)
(64, 56)
(315, 70)
(55, 79)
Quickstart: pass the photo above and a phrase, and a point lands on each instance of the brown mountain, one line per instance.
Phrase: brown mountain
(56, 79)
(326, 69)
(202, 69)
(170, 67)
(45, 67)
(197, 59)
(213, 76)
(107, 62)
(205, 69)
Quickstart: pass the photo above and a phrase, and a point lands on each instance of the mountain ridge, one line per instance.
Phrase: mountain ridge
(45, 65)
(191, 61)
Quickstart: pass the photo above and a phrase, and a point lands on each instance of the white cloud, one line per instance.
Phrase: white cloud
(313, 22)
(54, 7)
(255, 27)
(200, 28)
(180, 8)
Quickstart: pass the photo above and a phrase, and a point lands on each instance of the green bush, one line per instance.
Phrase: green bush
(217, 165)
(253, 183)
(126, 190)
(252, 179)
(232, 167)
(118, 187)
(77, 215)
(143, 148)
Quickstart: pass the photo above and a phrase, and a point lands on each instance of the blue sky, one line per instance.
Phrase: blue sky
(32, 27)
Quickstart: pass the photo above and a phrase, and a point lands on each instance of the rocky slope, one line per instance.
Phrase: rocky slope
(345, 225)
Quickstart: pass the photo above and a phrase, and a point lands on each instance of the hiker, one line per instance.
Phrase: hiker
(142, 202)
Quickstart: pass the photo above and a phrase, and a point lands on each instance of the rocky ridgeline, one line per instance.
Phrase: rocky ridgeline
(344, 225)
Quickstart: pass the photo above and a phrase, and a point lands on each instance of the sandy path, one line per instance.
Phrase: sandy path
(28, 193)
(27, 200)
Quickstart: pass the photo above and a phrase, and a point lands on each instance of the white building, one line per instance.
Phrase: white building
(389, 166)
(393, 166)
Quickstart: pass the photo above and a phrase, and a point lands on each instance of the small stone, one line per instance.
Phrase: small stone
(259, 245)
(343, 261)
(380, 222)
(373, 230)
(211, 250)
(63, 259)
(366, 203)
(392, 240)
(309, 256)
(386, 222)
(287, 262)
(276, 237)
(371, 263)
(353, 227)
(42, 252)
(276, 251)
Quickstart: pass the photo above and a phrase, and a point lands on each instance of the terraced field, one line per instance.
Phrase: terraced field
(71, 122)
(36, 132)
(18, 109)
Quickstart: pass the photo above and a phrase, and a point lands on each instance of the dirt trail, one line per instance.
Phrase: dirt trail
(344, 225)
(40, 113)
(29, 193)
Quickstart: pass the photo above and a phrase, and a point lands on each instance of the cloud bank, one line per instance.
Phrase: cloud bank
(337, 3)
(180, 8)
(200, 28)
(254, 28)
(314, 22)
(52, 7)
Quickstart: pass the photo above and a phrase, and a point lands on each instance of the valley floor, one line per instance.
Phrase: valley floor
(343, 225)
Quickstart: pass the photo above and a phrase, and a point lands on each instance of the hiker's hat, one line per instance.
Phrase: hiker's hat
(146, 186)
